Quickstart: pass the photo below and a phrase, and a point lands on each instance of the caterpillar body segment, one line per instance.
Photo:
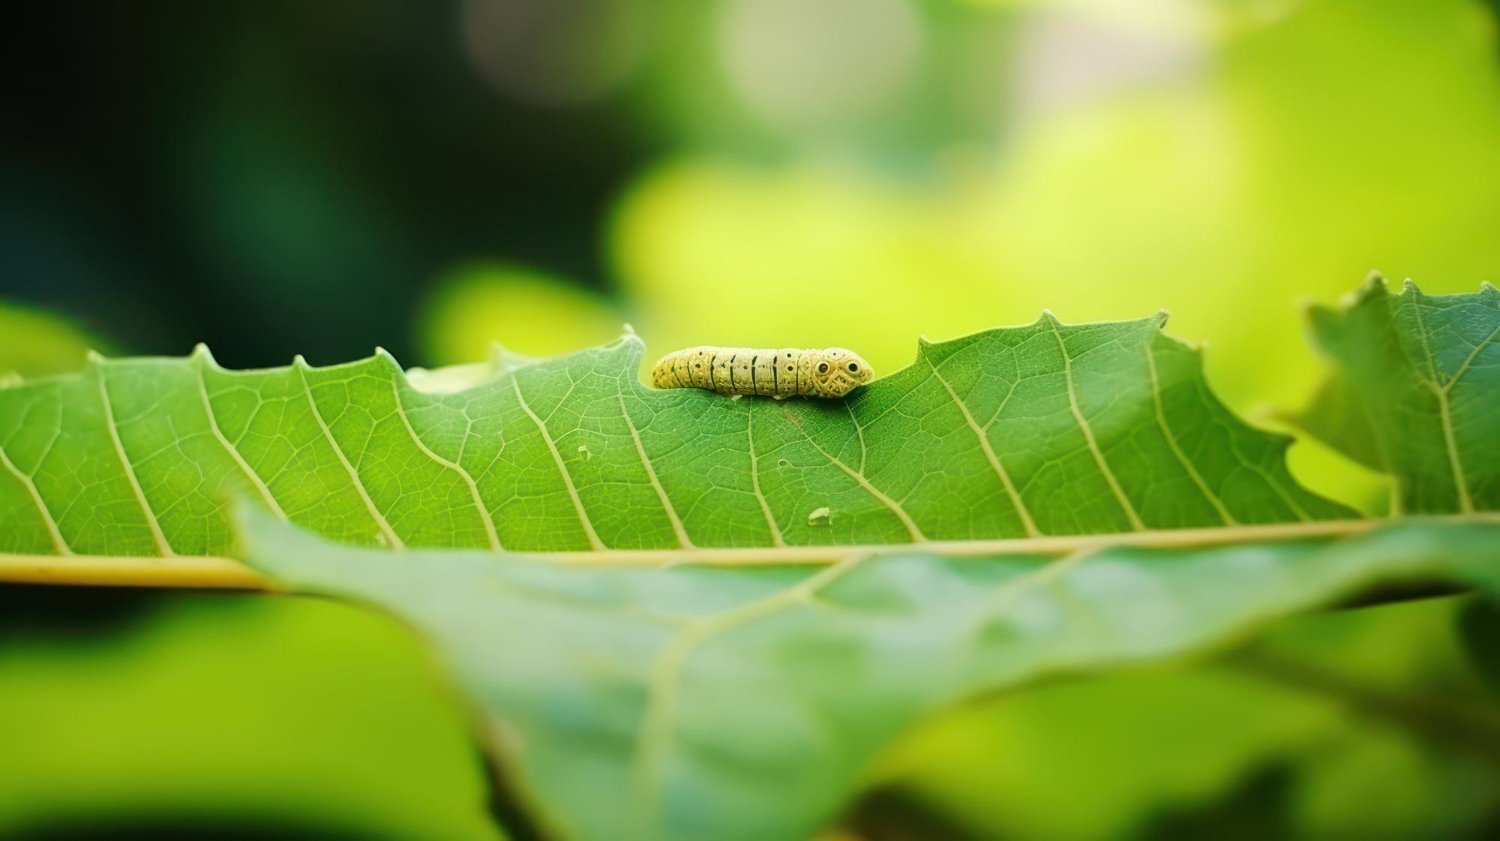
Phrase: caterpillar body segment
(764, 372)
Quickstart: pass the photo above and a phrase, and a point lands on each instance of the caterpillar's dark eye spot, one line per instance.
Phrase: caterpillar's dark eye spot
(822, 367)
(853, 369)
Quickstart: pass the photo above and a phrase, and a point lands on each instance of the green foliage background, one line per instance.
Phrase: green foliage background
(1276, 152)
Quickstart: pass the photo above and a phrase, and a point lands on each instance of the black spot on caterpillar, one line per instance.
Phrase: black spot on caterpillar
(765, 372)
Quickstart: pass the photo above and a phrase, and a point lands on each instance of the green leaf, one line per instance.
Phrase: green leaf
(196, 708)
(1039, 430)
(1307, 697)
(744, 600)
(1416, 393)
(707, 702)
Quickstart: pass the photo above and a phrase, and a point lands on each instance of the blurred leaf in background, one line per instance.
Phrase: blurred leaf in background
(302, 714)
(527, 311)
(1223, 160)
(1372, 721)
(38, 343)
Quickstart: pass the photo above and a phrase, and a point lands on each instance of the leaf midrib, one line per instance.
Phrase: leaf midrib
(223, 572)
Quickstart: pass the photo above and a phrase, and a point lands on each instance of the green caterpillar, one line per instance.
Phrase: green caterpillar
(765, 372)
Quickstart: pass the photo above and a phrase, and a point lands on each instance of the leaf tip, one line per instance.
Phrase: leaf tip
(1374, 286)
(202, 355)
(300, 362)
(1048, 318)
(1487, 288)
(1160, 318)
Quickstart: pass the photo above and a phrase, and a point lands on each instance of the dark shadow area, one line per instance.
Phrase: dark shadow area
(506, 805)
(1405, 591)
(73, 612)
(1478, 630)
(1254, 811)
(896, 814)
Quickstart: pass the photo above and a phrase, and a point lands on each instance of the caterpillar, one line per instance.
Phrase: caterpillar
(766, 372)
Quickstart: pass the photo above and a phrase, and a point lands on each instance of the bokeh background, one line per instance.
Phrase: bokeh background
(273, 178)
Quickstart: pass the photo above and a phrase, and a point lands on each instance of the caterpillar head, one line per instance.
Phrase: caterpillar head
(837, 371)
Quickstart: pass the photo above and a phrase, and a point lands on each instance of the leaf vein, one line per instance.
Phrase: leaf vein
(1445, 413)
(232, 450)
(864, 482)
(484, 514)
(1088, 434)
(661, 493)
(135, 484)
(1019, 504)
(1166, 431)
(562, 468)
(664, 684)
(765, 505)
(359, 486)
(26, 480)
